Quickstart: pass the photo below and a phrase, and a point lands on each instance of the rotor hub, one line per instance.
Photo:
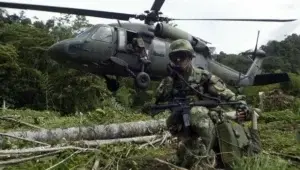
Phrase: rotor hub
(152, 16)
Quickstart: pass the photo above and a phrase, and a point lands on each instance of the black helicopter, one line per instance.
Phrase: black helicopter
(141, 50)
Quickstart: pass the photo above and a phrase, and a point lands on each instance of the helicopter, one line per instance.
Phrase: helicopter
(140, 50)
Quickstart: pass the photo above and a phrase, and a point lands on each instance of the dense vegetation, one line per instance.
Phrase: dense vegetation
(29, 80)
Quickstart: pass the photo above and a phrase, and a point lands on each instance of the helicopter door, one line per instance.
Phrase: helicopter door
(102, 47)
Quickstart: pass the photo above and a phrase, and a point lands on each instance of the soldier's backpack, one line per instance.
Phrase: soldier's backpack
(232, 141)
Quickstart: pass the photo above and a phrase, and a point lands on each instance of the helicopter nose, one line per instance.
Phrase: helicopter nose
(58, 51)
(65, 51)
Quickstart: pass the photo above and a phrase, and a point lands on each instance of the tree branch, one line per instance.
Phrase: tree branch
(29, 140)
(43, 149)
(15, 161)
(63, 160)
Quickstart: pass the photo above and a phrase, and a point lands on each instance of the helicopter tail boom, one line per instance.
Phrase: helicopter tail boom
(255, 78)
(254, 75)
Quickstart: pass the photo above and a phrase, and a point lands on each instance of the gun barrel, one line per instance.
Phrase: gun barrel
(206, 103)
(164, 106)
(183, 104)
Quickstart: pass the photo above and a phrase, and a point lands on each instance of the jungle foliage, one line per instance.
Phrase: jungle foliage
(30, 79)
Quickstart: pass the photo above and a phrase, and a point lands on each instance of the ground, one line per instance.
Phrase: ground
(277, 129)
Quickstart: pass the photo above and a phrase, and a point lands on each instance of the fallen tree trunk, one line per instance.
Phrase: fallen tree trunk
(111, 131)
(140, 139)
(98, 132)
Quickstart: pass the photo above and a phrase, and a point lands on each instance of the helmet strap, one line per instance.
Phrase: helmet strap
(188, 65)
(175, 74)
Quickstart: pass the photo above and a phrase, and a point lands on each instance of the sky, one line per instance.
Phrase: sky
(230, 37)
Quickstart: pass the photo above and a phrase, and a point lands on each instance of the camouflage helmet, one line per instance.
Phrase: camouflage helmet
(181, 45)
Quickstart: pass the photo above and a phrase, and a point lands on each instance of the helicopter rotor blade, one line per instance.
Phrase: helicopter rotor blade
(120, 16)
(93, 13)
(157, 4)
(252, 20)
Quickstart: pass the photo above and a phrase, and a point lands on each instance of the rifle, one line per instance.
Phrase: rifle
(183, 106)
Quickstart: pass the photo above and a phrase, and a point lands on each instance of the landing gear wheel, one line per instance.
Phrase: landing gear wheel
(142, 80)
(112, 85)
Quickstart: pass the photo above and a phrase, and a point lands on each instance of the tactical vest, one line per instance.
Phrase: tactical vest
(198, 79)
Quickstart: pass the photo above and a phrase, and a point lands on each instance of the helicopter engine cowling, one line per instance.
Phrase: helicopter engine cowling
(202, 48)
(164, 30)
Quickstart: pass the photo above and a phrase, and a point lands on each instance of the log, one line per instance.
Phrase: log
(140, 139)
(98, 132)
(110, 131)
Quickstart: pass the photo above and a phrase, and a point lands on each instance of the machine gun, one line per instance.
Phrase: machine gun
(182, 107)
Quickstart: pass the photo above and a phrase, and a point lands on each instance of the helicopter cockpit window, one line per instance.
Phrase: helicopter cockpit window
(103, 34)
(85, 32)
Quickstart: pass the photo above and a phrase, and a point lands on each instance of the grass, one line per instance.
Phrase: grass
(50, 120)
(264, 162)
(277, 131)
(123, 156)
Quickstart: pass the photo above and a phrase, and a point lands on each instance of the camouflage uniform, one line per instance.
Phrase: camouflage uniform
(201, 123)
(139, 48)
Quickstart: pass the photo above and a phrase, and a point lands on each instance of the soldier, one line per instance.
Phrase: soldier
(181, 54)
(139, 47)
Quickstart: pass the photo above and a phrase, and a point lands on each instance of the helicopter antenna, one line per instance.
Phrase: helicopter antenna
(119, 22)
(255, 49)
(253, 57)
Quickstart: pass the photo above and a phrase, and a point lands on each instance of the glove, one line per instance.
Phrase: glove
(243, 113)
(146, 108)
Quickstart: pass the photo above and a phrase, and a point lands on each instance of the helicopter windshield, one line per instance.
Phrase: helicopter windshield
(84, 33)
(104, 34)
